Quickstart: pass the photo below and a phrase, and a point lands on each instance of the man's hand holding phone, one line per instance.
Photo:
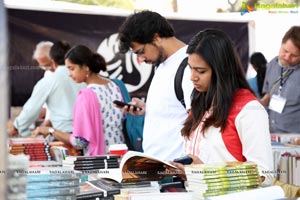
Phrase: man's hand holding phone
(135, 107)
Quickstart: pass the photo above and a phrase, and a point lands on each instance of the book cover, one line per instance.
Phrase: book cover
(28, 146)
(71, 159)
(26, 140)
(136, 166)
(59, 153)
(105, 186)
(153, 188)
(225, 179)
(88, 191)
(44, 174)
(95, 167)
(218, 170)
(52, 184)
(100, 164)
(222, 186)
(71, 150)
(221, 178)
(49, 163)
(59, 197)
(96, 162)
(53, 192)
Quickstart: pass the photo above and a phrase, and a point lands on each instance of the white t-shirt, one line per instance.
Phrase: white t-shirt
(165, 115)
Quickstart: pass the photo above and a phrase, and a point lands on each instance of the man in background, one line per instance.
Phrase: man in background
(58, 90)
(42, 57)
(282, 85)
(151, 37)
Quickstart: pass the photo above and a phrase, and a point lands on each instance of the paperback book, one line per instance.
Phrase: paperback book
(97, 189)
(45, 174)
(91, 162)
(53, 192)
(206, 180)
(72, 159)
(136, 167)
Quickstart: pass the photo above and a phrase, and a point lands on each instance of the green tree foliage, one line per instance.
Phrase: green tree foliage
(122, 4)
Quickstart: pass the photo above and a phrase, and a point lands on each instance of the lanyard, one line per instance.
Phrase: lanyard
(283, 77)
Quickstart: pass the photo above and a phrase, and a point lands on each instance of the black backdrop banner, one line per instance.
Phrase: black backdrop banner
(99, 32)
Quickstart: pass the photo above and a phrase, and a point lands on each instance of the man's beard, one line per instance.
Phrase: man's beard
(159, 59)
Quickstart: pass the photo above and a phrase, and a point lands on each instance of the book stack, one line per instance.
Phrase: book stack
(35, 148)
(286, 157)
(83, 163)
(289, 168)
(206, 180)
(42, 163)
(97, 190)
(16, 181)
(287, 139)
(52, 183)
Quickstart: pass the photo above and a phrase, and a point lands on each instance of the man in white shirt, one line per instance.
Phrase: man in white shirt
(151, 37)
(58, 90)
(41, 54)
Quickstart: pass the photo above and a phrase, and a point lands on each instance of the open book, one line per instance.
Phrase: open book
(136, 166)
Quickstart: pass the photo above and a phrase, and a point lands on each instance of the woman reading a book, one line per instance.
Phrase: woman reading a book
(226, 121)
(97, 122)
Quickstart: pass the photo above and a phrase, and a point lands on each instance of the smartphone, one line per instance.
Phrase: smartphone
(185, 160)
(122, 104)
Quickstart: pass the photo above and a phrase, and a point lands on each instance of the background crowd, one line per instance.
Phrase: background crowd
(225, 118)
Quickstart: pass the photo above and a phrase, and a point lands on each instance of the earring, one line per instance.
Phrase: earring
(87, 75)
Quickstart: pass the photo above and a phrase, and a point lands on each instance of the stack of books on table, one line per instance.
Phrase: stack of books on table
(206, 180)
(46, 183)
(286, 157)
(288, 139)
(83, 163)
(289, 168)
(16, 180)
(44, 163)
(35, 148)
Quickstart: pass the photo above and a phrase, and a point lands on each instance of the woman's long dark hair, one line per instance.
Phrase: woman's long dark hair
(215, 47)
(259, 62)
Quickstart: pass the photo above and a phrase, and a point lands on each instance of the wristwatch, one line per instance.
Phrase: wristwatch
(51, 131)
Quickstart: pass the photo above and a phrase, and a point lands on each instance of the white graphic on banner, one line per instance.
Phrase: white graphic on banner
(121, 66)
